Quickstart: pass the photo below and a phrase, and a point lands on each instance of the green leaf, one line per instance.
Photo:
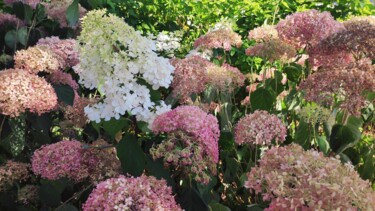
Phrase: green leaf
(191, 201)
(72, 13)
(343, 136)
(262, 99)
(22, 35)
(323, 144)
(64, 93)
(156, 169)
(113, 126)
(132, 158)
(367, 170)
(218, 207)
(15, 142)
(254, 207)
(40, 12)
(143, 126)
(49, 195)
(293, 72)
(23, 11)
(302, 136)
(11, 39)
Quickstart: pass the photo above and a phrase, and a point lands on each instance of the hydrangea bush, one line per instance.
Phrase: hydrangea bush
(103, 109)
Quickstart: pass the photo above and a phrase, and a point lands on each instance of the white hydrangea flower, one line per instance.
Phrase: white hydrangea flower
(114, 57)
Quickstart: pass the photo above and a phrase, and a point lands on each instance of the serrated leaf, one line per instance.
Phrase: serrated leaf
(132, 158)
(72, 13)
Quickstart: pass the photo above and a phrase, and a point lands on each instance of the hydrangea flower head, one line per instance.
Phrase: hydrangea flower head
(194, 122)
(21, 91)
(12, 172)
(225, 78)
(294, 179)
(128, 193)
(272, 50)
(190, 76)
(31, 3)
(307, 28)
(313, 113)
(260, 128)
(56, 9)
(113, 58)
(58, 160)
(37, 59)
(263, 33)
(8, 19)
(220, 37)
(66, 49)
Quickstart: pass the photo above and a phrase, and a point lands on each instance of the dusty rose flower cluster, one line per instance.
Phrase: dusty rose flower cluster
(294, 179)
(65, 49)
(56, 9)
(220, 38)
(347, 83)
(37, 59)
(260, 128)
(356, 40)
(60, 77)
(225, 78)
(71, 160)
(272, 49)
(76, 114)
(127, 193)
(263, 33)
(101, 160)
(21, 91)
(194, 122)
(58, 160)
(28, 194)
(307, 28)
(185, 155)
(12, 172)
(8, 19)
(190, 76)
(31, 3)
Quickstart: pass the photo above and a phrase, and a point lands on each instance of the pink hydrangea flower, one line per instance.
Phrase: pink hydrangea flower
(220, 38)
(260, 128)
(195, 122)
(65, 49)
(190, 76)
(60, 77)
(225, 78)
(56, 9)
(21, 91)
(58, 160)
(263, 33)
(12, 172)
(128, 193)
(294, 179)
(272, 50)
(8, 19)
(307, 28)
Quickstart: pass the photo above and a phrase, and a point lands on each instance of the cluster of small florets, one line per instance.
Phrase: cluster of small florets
(76, 114)
(190, 76)
(307, 28)
(345, 83)
(223, 37)
(60, 77)
(260, 128)
(37, 59)
(28, 194)
(186, 156)
(313, 114)
(8, 19)
(66, 49)
(225, 78)
(192, 143)
(167, 42)
(21, 91)
(272, 49)
(58, 160)
(294, 179)
(113, 58)
(56, 9)
(127, 193)
(12, 172)
(31, 3)
(263, 33)
(101, 160)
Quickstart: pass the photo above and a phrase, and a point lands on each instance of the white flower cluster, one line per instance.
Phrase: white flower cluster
(114, 58)
(167, 42)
